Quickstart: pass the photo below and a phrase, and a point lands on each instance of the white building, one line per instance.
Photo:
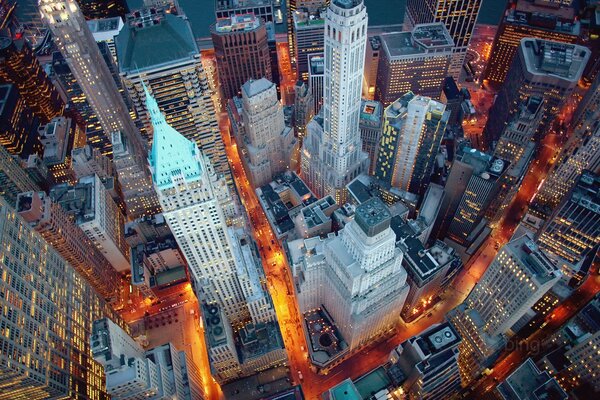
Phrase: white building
(332, 154)
(267, 142)
(78, 46)
(517, 278)
(160, 373)
(356, 276)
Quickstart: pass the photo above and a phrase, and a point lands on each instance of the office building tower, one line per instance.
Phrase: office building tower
(527, 382)
(516, 146)
(309, 35)
(54, 225)
(19, 66)
(192, 209)
(541, 68)
(104, 30)
(316, 76)
(364, 252)
(485, 318)
(482, 187)
(79, 48)
(262, 9)
(303, 108)
(371, 67)
(88, 160)
(30, 22)
(266, 141)
(581, 152)
(459, 16)
(427, 363)
(415, 61)
(50, 328)
(64, 79)
(241, 50)
(96, 213)
(573, 229)
(132, 373)
(413, 127)
(371, 127)
(300, 6)
(160, 49)
(332, 155)
(13, 178)
(18, 124)
(93, 9)
(525, 19)
(453, 98)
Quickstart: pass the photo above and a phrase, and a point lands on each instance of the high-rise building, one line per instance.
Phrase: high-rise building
(551, 20)
(413, 127)
(132, 373)
(89, 161)
(573, 229)
(371, 128)
(160, 49)
(316, 76)
(56, 227)
(191, 197)
(265, 145)
(93, 9)
(368, 303)
(468, 221)
(309, 35)
(13, 178)
(332, 155)
(371, 67)
(18, 124)
(459, 16)
(262, 9)
(428, 363)
(19, 66)
(541, 68)
(105, 30)
(300, 6)
(96, 213)
(49, 330)
(581, 152)
(415, 61)
(484, 319)
(242, 51)
(303, 108)
(528, 381)
(78, 46)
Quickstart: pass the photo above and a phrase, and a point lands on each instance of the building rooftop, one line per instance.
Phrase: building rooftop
(545, 15)
(370, 113)
(373, 216)
(316, 64)
(145, 44)
(346, 389)
(566, 61)
(424, 38)
(231, 4)
(258, 340)
(304, 19)
(236, 23)
(539, 265)
(214, 323)
(105, 29)
(253, 87)
(528, 383)
(77, 200)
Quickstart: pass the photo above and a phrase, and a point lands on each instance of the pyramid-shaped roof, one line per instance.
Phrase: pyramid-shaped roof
(172, 154)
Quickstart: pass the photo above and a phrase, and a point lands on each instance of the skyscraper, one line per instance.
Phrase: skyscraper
(78, 46)
(18, 125)
(241, 50)
(49, 330)
(52, 222)
(573, 229)
(316, 72)
(371, 128)
(160, 49)
(266, 140)
(459, 16)
(93, 9)
(303, 108)
(309, 33)
(415, 61)
(525, 19)
(517, 278)
(13, 179)
(364, 253)
(413, 127)
(332, 155)
(19, 66)
(541, 68)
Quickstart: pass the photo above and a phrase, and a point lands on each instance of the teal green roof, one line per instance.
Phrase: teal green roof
(172, 154)
(345, 391)
(141, 48)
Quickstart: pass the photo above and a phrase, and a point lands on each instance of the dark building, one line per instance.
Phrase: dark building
(18, 125)
(19, 66)
(261, 8)
(242, 51)
(528, 19)
(541, 68)
(93, 9)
